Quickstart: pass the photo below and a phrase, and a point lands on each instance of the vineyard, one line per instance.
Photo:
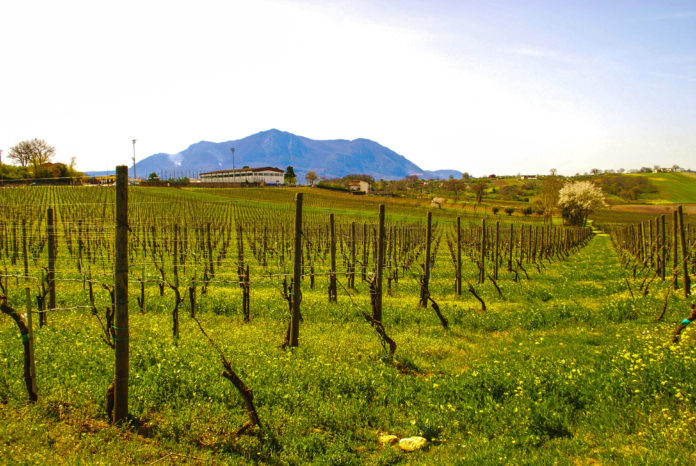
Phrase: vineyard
(298, 325)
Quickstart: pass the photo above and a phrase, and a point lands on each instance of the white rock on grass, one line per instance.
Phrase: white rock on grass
(412, 443)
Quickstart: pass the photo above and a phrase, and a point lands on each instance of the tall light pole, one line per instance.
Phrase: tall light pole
(134, 175)
(232, 158)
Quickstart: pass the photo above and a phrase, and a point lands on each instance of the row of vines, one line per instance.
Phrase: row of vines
(195, 246)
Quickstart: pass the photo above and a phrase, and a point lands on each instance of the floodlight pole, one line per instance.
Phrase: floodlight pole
(134, 175)
(232, 158)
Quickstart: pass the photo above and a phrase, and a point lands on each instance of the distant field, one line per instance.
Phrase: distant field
(652, 209)
(674, 188)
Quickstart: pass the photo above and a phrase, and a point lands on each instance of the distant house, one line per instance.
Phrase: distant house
(266, 175)
(359, 186)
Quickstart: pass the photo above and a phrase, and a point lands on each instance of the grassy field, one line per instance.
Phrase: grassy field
(566, 367)
(673, 188)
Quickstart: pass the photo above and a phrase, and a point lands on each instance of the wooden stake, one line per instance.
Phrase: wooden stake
(675, 262)
(684, 254)
(30, 325)
(51, 276)
(663, 248)
(425, 292)
(377, 310)
(497, 250)
(297, 275)
(333, 292)
(482, 253)
(121, 338)
(459, 257)
(351, 273)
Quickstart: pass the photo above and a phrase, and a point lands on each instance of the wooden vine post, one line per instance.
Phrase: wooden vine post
(675, 260)
(297, 275)
(482, 254)
(51, 275)
(121, 333)
(377, 308)
(510, 248)
(30, 324)
(333, 292)
(496, 256)
(363, 272)
(425, 292)
(663, 248)
(351, 273)
(458, 280)
(684, 253)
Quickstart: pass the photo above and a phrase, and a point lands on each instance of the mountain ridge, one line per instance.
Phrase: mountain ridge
(331, 158)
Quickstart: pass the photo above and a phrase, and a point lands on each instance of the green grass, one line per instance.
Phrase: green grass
(566, 368)
(673, 188)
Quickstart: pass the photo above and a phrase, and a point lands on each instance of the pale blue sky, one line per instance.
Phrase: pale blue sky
(485, 87)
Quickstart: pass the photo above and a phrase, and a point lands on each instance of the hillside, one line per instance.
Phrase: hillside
(673, 188)
(328, 158)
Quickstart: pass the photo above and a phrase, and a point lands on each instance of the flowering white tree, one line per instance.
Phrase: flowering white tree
(577, 200)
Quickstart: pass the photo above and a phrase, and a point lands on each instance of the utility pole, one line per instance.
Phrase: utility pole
(134, 175)
(232, 158)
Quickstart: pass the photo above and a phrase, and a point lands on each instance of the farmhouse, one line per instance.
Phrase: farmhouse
(359, 186)
(266, 175)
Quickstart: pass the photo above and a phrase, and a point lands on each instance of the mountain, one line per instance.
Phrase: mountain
(331, 158)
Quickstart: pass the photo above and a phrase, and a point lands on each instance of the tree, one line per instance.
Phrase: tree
(311, 177)
(290, 177)
(455, 186)
(34, 151)
(479, 187)
(577, 200)
(550, 185)
(509, 210)
(495, 210)
(153, 177)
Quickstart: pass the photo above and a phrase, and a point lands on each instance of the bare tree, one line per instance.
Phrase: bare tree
(311, 177)
(550, 185)
(34, 151)
(455, 186)
(479, 188)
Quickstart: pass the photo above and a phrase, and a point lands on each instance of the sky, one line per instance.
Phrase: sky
(501, 87)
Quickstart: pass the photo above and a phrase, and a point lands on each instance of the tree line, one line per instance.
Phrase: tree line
(33, 159)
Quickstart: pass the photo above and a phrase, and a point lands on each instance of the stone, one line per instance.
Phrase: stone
(412, 443)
